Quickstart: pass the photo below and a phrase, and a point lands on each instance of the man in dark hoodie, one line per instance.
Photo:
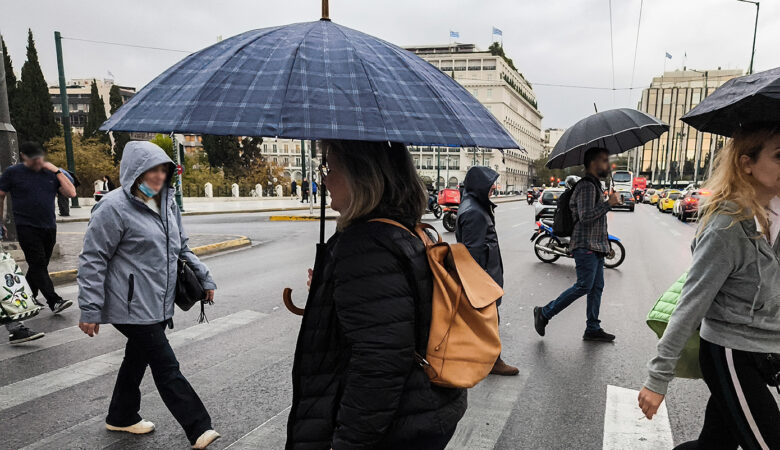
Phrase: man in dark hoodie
(476, 229)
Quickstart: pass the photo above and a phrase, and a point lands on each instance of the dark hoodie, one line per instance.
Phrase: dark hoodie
(476, 227)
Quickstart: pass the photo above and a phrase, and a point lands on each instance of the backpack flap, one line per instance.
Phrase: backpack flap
(481, 290)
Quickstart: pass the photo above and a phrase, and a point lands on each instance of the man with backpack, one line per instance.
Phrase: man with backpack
(476, 229)
(586, 223)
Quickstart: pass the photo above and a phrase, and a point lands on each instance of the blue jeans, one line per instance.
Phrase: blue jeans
(590, 282)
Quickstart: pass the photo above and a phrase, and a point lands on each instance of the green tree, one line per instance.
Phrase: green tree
(34, 116)
(223, 152)
(543, 174)
(497, 49)
(96, 116)
(165, 143)
(121, 138)
(10, 80)
(92, 161)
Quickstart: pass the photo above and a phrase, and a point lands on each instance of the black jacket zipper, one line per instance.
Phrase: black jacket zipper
(130, 291)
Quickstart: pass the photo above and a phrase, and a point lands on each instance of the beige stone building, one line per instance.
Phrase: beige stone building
(683, 154)
(79, 91)
(505, 93)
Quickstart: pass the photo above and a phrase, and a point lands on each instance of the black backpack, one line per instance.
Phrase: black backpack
(563, 223)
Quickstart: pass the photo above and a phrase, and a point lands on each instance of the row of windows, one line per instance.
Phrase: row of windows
(74, 107)
(281, 148)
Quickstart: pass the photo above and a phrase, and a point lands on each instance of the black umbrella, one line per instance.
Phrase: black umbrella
(740, 101)
(617, 130)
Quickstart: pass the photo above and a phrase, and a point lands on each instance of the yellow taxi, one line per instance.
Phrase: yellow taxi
(666, 204)
(657, 196)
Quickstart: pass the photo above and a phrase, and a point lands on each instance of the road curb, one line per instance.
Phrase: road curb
(208, 213)
(301, 218)
(68, 276)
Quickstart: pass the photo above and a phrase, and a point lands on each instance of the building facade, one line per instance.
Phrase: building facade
(683, 154)
(79, 92)
(507, 95)
(550, 137)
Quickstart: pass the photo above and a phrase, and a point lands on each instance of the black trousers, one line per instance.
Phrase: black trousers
(37, 245)
(63, 203)
(148, 345)
(741, 411)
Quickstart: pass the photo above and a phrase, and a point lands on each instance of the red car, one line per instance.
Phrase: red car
(690, 203)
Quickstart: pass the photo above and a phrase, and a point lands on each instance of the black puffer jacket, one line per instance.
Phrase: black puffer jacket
(356, 384)
(476, 227)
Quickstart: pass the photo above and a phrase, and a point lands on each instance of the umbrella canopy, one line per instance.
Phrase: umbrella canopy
(617, 130)
(740, 101)
(314, 80)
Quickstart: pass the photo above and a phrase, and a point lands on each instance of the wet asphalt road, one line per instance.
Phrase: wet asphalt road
(241, 370)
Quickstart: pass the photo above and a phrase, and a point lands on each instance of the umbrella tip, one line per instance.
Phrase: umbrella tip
(325, 12)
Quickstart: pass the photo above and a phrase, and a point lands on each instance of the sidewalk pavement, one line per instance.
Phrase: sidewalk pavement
(202, 206)
(63, 269)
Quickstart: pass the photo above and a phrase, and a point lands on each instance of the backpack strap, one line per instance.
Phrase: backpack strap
(420, 347)
(422, 231)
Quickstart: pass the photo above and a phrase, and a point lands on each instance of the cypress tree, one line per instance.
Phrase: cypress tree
(96, 116)
(10, 80)
(121, 138)
(35, 116)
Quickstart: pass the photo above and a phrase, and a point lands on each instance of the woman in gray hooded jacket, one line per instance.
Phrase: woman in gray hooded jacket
(127, 277)
(732, 294)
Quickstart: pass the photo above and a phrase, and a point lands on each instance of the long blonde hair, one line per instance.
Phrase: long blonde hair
(730, 183)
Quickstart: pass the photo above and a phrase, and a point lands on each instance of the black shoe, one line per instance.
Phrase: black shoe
(539, 320)
(60, 305)
(598, 336)
(23, 334)
(38, 302)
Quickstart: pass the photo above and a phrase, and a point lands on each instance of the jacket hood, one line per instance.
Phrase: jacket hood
(137, 158)
(478, 181)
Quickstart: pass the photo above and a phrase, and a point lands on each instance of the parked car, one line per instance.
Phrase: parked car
(690, 204)
(628, 201)
(547, 204)
(667, 202)
(648, 194)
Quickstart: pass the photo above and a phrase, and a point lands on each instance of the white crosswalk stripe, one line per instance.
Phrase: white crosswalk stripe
(625, 427)
(47, 383)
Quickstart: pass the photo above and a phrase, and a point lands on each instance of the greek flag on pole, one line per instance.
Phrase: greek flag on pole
(496, 31)
(668, 55)
(454, 34)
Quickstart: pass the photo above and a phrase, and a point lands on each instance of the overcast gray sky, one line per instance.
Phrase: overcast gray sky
(551, 41)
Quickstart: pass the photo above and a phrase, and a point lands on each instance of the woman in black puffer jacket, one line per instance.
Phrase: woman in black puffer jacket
(356, 384)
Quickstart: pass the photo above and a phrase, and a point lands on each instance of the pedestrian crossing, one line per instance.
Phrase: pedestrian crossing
(625, 427)
(44, 384)
(491, 403)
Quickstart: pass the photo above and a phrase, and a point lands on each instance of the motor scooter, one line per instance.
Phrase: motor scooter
(549, 248)
(433, 205)
(449, 199)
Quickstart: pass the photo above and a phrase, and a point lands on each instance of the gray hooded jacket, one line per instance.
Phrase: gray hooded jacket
(123, 276)
(732, 291)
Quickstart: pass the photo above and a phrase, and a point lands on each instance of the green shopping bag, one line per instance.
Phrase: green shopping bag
(658, 319)
(16, 301)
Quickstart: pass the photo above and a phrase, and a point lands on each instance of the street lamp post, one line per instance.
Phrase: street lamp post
(65, 118)
(755, 30)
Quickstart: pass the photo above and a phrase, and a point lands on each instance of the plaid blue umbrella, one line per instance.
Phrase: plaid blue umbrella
(315, 80)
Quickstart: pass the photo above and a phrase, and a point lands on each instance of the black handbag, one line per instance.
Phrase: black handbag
(189, 290)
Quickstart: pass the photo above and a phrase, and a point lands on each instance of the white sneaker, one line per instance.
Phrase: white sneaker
(142, 427)
(206, 439)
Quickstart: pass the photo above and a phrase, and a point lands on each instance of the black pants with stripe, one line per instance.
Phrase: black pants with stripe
(741, 410)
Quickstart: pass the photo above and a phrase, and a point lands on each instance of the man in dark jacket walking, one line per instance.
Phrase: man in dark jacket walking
(589, 244)
(476, 229)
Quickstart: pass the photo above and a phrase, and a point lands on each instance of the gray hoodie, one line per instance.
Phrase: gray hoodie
(732, 291)
(123, 276)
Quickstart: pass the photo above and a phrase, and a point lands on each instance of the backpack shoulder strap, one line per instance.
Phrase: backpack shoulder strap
(422, 231)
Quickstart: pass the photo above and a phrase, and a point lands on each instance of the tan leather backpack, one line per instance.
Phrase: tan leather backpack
(463, 343)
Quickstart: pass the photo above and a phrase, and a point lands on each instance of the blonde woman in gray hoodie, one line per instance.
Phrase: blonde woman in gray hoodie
(732, 294)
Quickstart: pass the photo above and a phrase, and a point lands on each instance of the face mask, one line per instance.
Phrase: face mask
(147, 191)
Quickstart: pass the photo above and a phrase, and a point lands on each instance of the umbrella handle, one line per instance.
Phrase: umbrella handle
(287, 298)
